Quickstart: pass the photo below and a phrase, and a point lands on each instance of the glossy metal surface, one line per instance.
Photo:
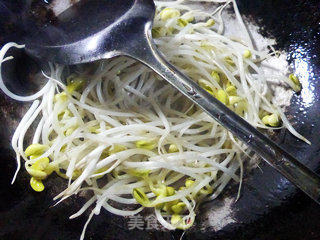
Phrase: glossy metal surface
(92, 30)
(124, 28)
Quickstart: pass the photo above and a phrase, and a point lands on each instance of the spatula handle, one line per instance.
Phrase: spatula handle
(286, 164)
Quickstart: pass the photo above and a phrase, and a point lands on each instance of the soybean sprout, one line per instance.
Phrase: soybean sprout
(123, 134)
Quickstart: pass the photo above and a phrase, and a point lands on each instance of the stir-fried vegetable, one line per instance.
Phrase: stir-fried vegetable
(121, 130)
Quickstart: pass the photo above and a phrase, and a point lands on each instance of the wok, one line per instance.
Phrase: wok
(269, 207)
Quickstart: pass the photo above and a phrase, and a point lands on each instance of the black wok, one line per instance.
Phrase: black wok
(269, 208)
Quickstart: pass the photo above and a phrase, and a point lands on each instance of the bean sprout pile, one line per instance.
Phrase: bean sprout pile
(117, 131)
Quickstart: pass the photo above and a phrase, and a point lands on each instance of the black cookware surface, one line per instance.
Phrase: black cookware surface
(269, 207)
